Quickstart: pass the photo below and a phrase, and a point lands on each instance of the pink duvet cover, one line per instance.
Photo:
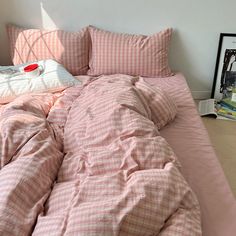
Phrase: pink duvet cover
(30, 158)
(118, 175)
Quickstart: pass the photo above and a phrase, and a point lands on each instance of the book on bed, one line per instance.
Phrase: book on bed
(218, 110)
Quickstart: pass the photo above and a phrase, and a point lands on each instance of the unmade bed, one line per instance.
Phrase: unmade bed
(49, 211)
(100, 150)
(107, 153)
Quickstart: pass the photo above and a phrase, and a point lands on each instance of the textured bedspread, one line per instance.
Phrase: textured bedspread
(118, 175)
(29, 161)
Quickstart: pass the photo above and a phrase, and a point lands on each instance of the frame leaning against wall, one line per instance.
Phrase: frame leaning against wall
(225, 69)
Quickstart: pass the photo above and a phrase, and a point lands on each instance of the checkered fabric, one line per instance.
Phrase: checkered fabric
(114, 53)
(71, 49)
(118, 175)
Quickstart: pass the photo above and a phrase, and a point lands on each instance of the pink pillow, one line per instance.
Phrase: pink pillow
(67, 48)
(114, 53)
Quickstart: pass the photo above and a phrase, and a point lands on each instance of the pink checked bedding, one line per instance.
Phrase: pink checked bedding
(93, 162)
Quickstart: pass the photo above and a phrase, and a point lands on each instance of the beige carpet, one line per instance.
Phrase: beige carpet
(223, 136)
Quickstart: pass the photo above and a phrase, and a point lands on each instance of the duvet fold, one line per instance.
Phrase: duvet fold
(30, 159)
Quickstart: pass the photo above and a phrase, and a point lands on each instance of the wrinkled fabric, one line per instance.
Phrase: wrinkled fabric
(118, 175)
(29, 161)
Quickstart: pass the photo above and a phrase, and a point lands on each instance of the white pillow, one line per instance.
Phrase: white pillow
(53, 78)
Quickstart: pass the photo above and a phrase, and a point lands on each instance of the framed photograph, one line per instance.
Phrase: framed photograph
(225, 70)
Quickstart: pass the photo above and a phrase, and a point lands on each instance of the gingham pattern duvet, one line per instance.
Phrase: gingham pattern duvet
(93, 163)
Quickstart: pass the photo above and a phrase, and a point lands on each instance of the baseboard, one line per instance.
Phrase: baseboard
(201, 94)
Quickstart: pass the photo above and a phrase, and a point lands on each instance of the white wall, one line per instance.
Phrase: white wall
(197, 25)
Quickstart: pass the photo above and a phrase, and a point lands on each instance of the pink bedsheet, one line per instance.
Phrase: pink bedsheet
(118, 175)
(200, 166)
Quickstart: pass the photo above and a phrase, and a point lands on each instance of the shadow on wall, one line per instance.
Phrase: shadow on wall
(15, 12)
(179, 54)
(4, 45)
(183, 60)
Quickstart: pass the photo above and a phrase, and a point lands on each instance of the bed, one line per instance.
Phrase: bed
(142, 164)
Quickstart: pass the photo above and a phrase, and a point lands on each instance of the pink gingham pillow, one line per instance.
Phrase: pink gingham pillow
(114, 53)
(68, 48)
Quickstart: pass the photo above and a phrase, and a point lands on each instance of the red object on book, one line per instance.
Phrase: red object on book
(31, 67)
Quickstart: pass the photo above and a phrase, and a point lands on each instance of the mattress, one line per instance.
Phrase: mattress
(200, 166)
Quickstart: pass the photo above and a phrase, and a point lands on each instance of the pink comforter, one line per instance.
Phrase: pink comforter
(118, 175)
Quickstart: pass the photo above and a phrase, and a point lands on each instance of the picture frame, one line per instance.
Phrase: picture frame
(225, 69)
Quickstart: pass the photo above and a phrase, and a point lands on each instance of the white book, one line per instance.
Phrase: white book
(209, 107)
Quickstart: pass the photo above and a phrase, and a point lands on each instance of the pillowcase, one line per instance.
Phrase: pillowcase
(53, 78)
(114, 53)
(68, 48)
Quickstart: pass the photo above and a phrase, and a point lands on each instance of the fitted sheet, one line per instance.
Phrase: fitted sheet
(200, 166)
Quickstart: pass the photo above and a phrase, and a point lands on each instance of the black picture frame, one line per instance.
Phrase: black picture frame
(225, 68)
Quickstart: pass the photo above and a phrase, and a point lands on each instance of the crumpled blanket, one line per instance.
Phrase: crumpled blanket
(29, 162)
(93, 163)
